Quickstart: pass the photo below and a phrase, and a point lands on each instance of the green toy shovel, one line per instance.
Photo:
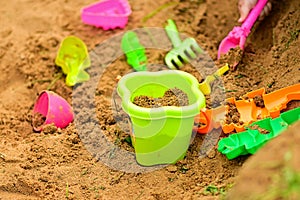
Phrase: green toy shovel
(134, 50)
(183, 51)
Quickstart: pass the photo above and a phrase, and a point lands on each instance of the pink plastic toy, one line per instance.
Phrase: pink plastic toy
(108, 14)
(51, 108)
(238, 36)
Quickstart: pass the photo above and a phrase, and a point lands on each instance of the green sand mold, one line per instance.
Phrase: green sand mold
(73, 58)
(251, 140)
(160, 135)
(134, 51)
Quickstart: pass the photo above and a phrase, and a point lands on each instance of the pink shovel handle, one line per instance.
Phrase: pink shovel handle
(253, 15)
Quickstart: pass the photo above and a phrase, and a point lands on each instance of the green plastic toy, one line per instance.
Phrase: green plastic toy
(73, 58)
(183, 51)
(160, 135)
(251, 140)
(134, 51)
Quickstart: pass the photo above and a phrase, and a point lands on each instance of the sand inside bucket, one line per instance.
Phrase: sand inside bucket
(172, 97)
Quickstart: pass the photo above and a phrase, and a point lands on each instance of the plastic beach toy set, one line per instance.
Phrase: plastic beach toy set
(161, 135)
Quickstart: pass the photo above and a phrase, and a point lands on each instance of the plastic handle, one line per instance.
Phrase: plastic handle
(205, 118)
(172, 32)
(211, 78)
(253, 15)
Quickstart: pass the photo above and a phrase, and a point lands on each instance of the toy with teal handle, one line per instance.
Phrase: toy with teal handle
(73, 58)
(250, 141)
(237, 37)
(134, 51)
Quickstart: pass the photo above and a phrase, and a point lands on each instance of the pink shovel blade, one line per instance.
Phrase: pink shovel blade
(237, 37)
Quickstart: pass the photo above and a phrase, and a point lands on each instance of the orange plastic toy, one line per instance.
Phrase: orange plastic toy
(249, 112)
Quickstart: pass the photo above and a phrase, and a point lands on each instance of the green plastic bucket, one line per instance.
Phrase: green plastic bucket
(160, 135)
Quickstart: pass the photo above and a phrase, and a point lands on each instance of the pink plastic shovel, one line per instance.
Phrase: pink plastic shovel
(50, 108)
(238, 36)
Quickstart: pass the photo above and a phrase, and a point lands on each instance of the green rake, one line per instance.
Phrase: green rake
(183, 51)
